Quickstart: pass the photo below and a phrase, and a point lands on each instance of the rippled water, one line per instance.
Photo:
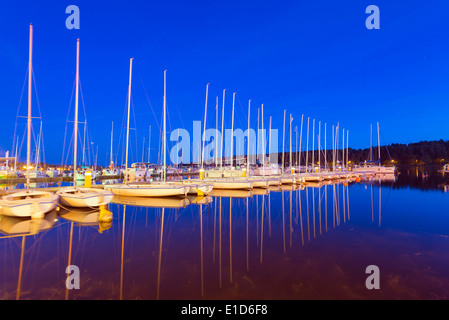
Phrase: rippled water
(300, 243)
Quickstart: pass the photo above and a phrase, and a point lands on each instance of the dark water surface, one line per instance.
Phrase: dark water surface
(310, 243)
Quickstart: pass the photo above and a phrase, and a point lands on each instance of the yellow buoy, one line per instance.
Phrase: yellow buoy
(88, 179)
(105, 214)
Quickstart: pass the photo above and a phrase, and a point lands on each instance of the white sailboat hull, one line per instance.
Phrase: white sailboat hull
(376, 170)
(84, 197)
(148, 190)
(231, 184)
(28, 203)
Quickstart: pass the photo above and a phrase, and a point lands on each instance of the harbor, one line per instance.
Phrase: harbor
(223, 159)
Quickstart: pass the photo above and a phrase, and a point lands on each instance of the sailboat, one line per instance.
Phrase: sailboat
(375, 167)
(78, 196)
(229, 181)
(28, 203)
(153, 189)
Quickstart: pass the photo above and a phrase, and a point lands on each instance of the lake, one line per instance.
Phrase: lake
(289, 243)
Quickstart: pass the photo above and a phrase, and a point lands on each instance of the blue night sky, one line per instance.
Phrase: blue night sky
(315, 58)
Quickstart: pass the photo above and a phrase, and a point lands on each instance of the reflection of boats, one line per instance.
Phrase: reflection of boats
(83, 216)
(22, 226)
(274, 188)
(231, 193)
(387, 177)
(154, 202)
(200, 200)
(375, 169)
(261, 191)
(445, 169)
(288, 187)
(314, 184)
(87, 217)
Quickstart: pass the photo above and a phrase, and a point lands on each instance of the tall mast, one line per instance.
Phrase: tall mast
(291, 120)
(307, 146)
(216, 133)
(300, 146)
(325, 149)
(30, 71)
(112, 136)
(296, 146)
(222, 130)
(313, 146)
(204, 127)
(129, 108)
(319, 146)
(371, 143)
(247, 144)
(143, 149)
(165, 125)
(336, 142)
(333, 149)
(347, 147)
(149, 144)
(257, 135)
(263, 143)
(343, 149)
(232, 130)
(269, 137)
(378, 142)
(283, 143)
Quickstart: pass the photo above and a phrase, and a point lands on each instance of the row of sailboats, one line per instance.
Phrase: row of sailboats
(31, 202)
(36, 203)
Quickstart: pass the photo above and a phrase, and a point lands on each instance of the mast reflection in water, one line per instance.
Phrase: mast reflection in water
(293, 242)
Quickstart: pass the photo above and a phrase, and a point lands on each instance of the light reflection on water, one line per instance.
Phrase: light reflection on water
(289, 243)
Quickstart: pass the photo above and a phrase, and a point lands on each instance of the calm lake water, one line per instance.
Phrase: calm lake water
(301, 243)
